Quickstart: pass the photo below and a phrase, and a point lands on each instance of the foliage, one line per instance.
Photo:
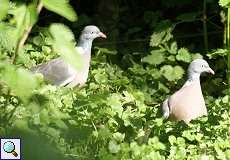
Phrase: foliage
(116, 115)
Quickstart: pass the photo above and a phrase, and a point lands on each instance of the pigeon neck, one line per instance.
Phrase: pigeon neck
(193, 77)
(86, 45)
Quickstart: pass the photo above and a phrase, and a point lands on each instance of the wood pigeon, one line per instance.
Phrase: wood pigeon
(188, 102)
(61, 73)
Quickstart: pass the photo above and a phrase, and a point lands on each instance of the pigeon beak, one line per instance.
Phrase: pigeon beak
(211, 71)
(102, 35)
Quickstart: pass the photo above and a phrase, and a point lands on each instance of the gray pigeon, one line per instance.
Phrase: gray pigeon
(59, 72)
(188, 102)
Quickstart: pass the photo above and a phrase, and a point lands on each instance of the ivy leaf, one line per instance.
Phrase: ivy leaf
(183, 55)
(61, 7)
(4, 8)
(155, 58)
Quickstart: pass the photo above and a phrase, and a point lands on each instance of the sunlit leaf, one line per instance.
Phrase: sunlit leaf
(172, 73)
(224, 3)
(183, 55)
(156, 57)
(61, 7)
(64, 44)
(20, 81)
(4, 5)
(162, 33)
(113, 146)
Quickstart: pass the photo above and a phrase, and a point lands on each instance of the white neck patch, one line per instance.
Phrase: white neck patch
(80, 50)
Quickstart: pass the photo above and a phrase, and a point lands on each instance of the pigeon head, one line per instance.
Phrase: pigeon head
(199, 66)
(89, 33)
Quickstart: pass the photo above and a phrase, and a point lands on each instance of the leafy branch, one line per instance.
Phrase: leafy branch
(26, 33)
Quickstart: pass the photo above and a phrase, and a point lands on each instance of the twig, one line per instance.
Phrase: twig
(25, 35)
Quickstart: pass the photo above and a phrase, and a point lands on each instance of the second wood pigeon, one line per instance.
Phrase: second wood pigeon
(61, 73)
(188, 102)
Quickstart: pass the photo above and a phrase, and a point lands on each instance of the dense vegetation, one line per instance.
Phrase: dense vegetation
(116, 115)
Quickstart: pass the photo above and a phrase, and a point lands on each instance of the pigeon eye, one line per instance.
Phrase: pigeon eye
(92, 32)
(202, 66)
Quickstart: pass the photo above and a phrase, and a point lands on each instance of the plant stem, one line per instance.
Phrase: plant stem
(25, 35)
(228, 22)
(205, 27)
(228, 35)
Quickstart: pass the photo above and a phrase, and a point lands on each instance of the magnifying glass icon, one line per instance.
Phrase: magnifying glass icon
(9, 147)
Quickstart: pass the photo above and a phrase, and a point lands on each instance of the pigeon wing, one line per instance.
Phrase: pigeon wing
(57, 71)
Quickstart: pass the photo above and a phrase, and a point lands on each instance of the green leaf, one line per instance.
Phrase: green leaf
(118, 136)
(178, 72)
(172, 73)
(173, 48)
(157, 38)
(163, 88)
(105, 51)
(224, 3)
(20, 18)
(61, 7)
(115, 102)
(114, 147)
(4, 4)
(156, 57)
(225, 99)
(183, 55)
(162, 33)
(172, 139)
(32, 15)
(64, 45)
(7, 37)
(188, 17)
(21, 82)
(196, 56)
(218, 52)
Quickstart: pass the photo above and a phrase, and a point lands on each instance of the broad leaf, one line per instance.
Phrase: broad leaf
(224, 3)
(183, 55)
(4, 5)
(61, 7)
(20, 81)
(156, 57)
(64, 45)
(172, 73)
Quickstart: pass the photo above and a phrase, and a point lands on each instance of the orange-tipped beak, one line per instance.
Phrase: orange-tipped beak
(102, 35)
(211, 71)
